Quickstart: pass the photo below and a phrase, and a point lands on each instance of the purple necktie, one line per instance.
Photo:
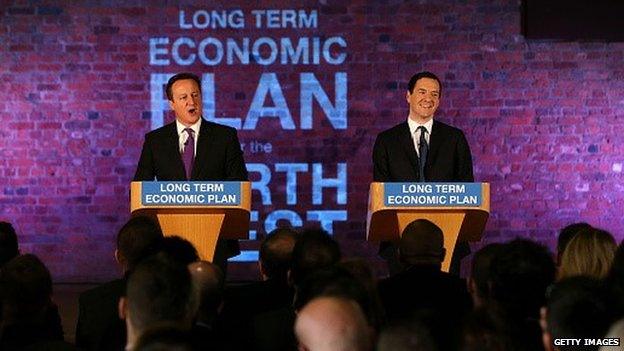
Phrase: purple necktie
(189, 152)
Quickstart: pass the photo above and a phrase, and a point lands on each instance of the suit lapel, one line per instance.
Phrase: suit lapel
(435, 141)
(172, 147)
(405, 139)
(201, 152)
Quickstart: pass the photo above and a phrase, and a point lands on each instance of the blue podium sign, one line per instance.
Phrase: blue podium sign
(191, 193)
(432, 194)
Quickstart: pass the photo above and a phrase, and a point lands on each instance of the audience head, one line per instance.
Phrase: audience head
(25, 290)
(276, 253)
(422, 242)
(314, 249)
(208, 284)
(576, 308)
(333, 324)
(566, 234)
(409, 336)
(478, 282)
(488, 329)
(8, 243)
(180, 249)
(333, 282)
(139, 238)
(159, 290)
(520, 274)
(590, 253)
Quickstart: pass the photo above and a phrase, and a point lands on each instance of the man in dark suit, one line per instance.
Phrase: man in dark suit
(421, 148)
(192, 148)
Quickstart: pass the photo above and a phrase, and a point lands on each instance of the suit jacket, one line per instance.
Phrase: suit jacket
(99, 326)
(449, 159)
(218, 156)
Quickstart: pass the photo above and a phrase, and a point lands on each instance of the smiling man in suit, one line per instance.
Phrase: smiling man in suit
(191, 148)
(421, 149)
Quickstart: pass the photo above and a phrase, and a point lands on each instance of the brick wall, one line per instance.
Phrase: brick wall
(543, 118)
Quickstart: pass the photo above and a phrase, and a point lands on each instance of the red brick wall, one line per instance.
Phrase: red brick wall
(542, 118)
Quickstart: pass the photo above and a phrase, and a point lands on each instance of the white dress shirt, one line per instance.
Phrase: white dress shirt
(182, 135)
(415, 133)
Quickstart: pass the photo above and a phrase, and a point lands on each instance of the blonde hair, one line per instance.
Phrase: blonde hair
(589, 253)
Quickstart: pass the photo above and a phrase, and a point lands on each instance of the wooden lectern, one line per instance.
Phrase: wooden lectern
(458, 223)
(202, 225)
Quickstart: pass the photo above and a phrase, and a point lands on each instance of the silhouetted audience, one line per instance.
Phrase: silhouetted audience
(309, 300)
(480, 274)
(589, 253)
(29, 318)
(273, 293)
(208, 282)
(520, 274)
(158, 291)
(179, 249)
(423, 287)
(576, 309)
(333, 324)
(8, 243)
(99, 326)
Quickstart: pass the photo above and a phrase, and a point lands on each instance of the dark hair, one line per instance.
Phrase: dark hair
(422, 242)
(165, 338)
(520, 275)
(181, 76)
(420, 75)
(26, 286)
(482, 266)
(8, 243)
(276, 252)
(180, 249)
(577, 309)
(315, 249)
(566, 234)
(333, 282)
(159, 291)
(139, 238)
(208, 282)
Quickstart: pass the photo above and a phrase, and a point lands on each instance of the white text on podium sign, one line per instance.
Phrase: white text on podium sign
(191, 194)
(432, 194)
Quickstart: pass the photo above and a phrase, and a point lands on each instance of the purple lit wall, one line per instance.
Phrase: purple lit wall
(81, 85)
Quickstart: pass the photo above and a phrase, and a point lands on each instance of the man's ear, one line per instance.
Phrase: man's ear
(117, 256)
(407, 96)
(122, 308)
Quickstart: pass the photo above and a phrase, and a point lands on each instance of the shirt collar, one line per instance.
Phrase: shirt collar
(413, 125)
(195, 127)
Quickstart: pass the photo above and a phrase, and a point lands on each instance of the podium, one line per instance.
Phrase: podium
(200, 212)
(461, 210)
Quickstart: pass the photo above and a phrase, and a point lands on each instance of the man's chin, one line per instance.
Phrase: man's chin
(189, 120)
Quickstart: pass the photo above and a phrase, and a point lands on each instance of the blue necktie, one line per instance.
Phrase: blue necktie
(423, 150)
